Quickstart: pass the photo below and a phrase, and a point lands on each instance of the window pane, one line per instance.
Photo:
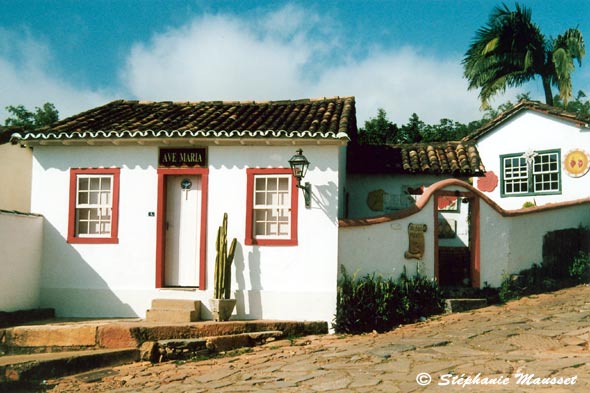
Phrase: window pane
(105, 183)
(94, 183)
(260, 198)
(93, 198)
(272, 200)
(83, 198)
(83, 227)
(83, 183)
(546, 172)
(94, 205)
(284, 184)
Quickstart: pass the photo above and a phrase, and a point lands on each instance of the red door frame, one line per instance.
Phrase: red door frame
(161, 222)
(474, 231)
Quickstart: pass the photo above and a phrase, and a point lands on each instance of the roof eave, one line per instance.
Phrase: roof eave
(181, 141)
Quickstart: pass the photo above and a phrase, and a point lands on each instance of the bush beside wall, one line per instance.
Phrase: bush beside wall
(566, 262)
(373, 303)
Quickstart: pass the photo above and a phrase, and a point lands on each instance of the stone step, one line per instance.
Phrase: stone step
(459, 305)
(185, 349)
(34, 368)
(115, 334)
(172, 315)
(176, 304)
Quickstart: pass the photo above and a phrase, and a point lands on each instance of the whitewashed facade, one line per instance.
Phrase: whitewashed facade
(119, 276)
(21, 242)
(535, 154)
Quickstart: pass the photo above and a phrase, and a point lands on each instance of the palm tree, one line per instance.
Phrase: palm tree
(511, 50)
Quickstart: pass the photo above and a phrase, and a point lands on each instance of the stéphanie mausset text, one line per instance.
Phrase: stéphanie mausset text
(518, 379)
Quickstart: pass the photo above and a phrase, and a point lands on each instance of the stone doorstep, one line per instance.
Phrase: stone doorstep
(172, 315)
(184, 349)
(176, 304)
(459, 305)
(174, 311)
(31, 369)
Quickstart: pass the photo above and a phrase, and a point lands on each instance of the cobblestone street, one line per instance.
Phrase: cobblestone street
(540, 342)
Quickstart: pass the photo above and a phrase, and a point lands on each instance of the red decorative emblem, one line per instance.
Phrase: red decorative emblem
(487, 183)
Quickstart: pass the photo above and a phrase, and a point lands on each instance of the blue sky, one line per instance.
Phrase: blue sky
(403, 56)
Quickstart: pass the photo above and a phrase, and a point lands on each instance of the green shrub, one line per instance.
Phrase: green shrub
(508, 288)
(580, 268)
(375, 303)
(424, 296)
(536, 279)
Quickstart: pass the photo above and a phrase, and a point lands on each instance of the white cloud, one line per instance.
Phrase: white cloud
(292, 53)
(216, 58)
(25, 79)
(402, 83)
(288, 53)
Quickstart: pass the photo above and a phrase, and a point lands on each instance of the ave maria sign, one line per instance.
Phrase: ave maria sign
(174, 158)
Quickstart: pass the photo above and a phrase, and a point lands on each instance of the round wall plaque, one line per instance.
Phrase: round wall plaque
(576, 163)
(186, 184)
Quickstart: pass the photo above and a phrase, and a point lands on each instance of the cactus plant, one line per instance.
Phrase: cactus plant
(223, 261)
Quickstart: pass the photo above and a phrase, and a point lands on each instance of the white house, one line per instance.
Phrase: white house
(133, 193)
(534, 153)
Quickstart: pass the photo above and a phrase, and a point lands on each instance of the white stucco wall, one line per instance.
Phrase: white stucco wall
(508, 243)
(511, 244)
(531, 130)
(119, 279)
(274, 281)
(21, 238)
(15, 178)
(379, 248)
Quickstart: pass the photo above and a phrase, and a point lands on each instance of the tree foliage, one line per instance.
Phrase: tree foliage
(381, 131)
(580, 105)
(41, 117)
(511, 50)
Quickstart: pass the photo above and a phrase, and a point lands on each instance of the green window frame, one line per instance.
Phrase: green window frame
(537, 175)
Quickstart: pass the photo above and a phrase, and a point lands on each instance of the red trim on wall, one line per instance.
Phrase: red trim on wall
(475, 239)
(474, 227)
(114, 238)
(161, 222)
(436, 270)
(250, 240)
(423, 200)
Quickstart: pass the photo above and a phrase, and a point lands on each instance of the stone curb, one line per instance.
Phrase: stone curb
(31, 369)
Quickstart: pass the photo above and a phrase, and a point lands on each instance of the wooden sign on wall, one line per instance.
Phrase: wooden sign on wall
(178, 158)
(416, 241)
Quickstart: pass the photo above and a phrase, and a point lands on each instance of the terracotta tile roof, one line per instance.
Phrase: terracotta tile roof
(453, 158)
(332, 118)
(527, 105)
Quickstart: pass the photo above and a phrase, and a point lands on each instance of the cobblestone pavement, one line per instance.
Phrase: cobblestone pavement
(540, 342)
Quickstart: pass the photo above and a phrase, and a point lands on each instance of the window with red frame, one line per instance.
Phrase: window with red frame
(272, 207)
(94, 202)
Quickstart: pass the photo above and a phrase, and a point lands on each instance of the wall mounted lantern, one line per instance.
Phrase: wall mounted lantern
(299, 165)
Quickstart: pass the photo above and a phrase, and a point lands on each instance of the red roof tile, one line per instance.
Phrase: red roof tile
(308, 118)
(454, 158)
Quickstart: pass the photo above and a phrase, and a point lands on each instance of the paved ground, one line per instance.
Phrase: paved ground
(541, 342)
